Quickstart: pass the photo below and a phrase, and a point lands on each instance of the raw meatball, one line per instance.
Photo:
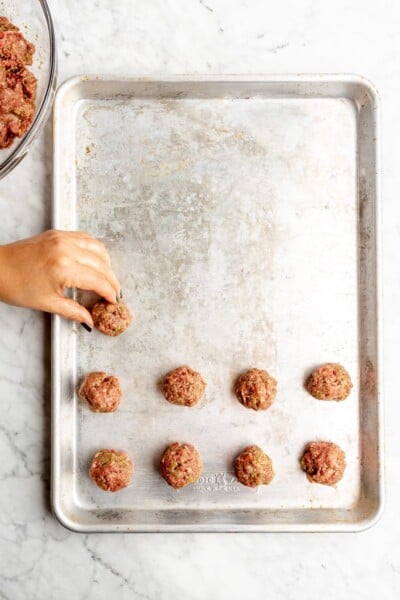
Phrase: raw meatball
(329, 382)
(256, 389)
(253, 467)
(184, 386)
(111, 319)
(102, 392)
(111, 470)
(181, 464)
(323, 462)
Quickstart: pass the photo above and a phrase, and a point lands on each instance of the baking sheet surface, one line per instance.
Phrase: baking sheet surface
(233, 225)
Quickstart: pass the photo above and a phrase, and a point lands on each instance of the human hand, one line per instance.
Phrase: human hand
(36, 272)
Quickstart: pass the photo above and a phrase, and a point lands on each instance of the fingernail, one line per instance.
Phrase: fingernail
(89, 329)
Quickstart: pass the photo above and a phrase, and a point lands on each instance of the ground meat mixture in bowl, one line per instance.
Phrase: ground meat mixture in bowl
(111, 319)
(253, 467)
(181, 465)
(256, 389)
(102, 392)
(323, 462)
(27, 76)
(329, 382)
(184, 386)
(17, 84)
(111, 470)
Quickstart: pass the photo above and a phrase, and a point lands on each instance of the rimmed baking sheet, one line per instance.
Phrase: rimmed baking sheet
(241, 215)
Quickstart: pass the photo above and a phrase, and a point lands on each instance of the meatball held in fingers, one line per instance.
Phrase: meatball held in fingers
(111, 319)
(37, 272)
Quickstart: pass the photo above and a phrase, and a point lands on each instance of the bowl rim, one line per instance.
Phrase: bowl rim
(22, 147)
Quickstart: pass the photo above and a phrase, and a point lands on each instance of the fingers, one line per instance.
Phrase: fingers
(69, 309)
(89, 279)
(93, 261)
(87, 242)
(79, 253)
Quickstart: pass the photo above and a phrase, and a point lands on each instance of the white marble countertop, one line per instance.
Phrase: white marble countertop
(39, 559)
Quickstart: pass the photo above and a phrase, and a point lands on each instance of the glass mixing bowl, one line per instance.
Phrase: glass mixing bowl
(35, 22)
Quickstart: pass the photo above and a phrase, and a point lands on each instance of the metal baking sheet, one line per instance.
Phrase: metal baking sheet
(242, 218)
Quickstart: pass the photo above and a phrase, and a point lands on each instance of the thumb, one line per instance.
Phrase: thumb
(69, 309)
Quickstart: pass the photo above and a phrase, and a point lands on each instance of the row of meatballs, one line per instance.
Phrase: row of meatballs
(181, 465)
(255, 389)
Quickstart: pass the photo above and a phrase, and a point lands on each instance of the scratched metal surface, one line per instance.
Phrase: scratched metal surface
(241, 219)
